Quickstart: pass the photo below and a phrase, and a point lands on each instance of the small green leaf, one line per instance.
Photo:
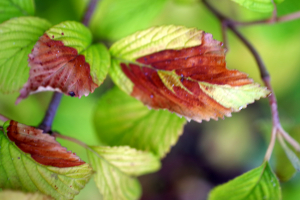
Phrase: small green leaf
(112, 182)
(290, 154)
(123, 120)
(258, 5)
(114, 19)
(129, 160)
(18, 171)
(17, 37)
(18, 195)
(259, 183)
(15, 8)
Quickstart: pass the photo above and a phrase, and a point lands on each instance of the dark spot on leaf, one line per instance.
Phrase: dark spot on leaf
(52, 36)
(72, 94)
(62, 33)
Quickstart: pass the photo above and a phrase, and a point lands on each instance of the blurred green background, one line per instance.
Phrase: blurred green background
(209, 153)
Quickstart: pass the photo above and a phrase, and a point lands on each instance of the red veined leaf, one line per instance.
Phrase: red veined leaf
(42, 147)
(182, 70)
(63, 60)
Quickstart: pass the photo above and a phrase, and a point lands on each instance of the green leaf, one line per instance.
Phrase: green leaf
(259, 183)
(18, 195)
(123, 120)
(114, 19)
(18, 171)
(129, 160)
(258, 5)
(15, 8)
(111, 182)
(17, 37)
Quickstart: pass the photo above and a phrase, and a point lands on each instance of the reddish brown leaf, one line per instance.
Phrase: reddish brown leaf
(42, 147)
(183, 81)
(54, 66)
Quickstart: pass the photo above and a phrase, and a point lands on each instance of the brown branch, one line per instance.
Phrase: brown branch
(55, 134)
(89, 12)
(3, 118)
(231, 24)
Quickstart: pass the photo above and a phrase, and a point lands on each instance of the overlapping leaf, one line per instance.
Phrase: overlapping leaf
(129, 160)
(62, 60)
(114, 19)
(123, 120)
(18, 171)
(259, 183)
(15, 8)
(18, 195)
(111, 181)
(182, 70)
(258, 5)
(17, 37)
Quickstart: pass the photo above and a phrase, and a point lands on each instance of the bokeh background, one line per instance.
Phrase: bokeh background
(209, 153)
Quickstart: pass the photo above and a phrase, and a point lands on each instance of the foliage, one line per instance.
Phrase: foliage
(164, 75)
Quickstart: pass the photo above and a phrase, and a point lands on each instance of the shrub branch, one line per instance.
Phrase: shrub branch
(232, 24)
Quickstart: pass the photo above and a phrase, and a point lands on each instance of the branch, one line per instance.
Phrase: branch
(3, 118)
(50, 114)
(231, 24)
(89, 12)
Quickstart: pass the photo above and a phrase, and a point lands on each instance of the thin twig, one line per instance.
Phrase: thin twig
(55, 134)
(271, 145)
(3, 118)
(273, 18)
(224, 26)
(89, 12)
(50, 113)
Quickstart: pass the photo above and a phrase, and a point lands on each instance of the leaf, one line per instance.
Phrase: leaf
(18, 171)
(129, 160)
(43, 148)
(17, 37)
(114, 19)
(258, 5)
(111, 182)
(18, 195)
(63, 61)
(123, 120)
(259, 183)
(15, 8)
(182, 70)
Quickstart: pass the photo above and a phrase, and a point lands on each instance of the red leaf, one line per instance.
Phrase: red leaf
(42, 147)
(54, 66)
(171, 79)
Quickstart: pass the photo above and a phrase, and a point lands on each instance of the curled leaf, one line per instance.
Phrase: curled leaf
(63, 61)
(42, 147)
(182, 70)
(18, 171)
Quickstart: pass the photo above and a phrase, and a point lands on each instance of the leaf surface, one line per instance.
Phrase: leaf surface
(258, 5)
(43, 148)
(123, 120)
(259, 183)
(114, 19)
(182, 70)
(17, 37)
(18, 195)
(18, 171)
(63, 60)
(15, 8)
(129, 160)
(112, 182)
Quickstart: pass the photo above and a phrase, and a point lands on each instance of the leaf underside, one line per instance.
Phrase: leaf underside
(259, 183)
(18, 171)
(42, 147)
(182, 70)
(122, 120)
(111, 182)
